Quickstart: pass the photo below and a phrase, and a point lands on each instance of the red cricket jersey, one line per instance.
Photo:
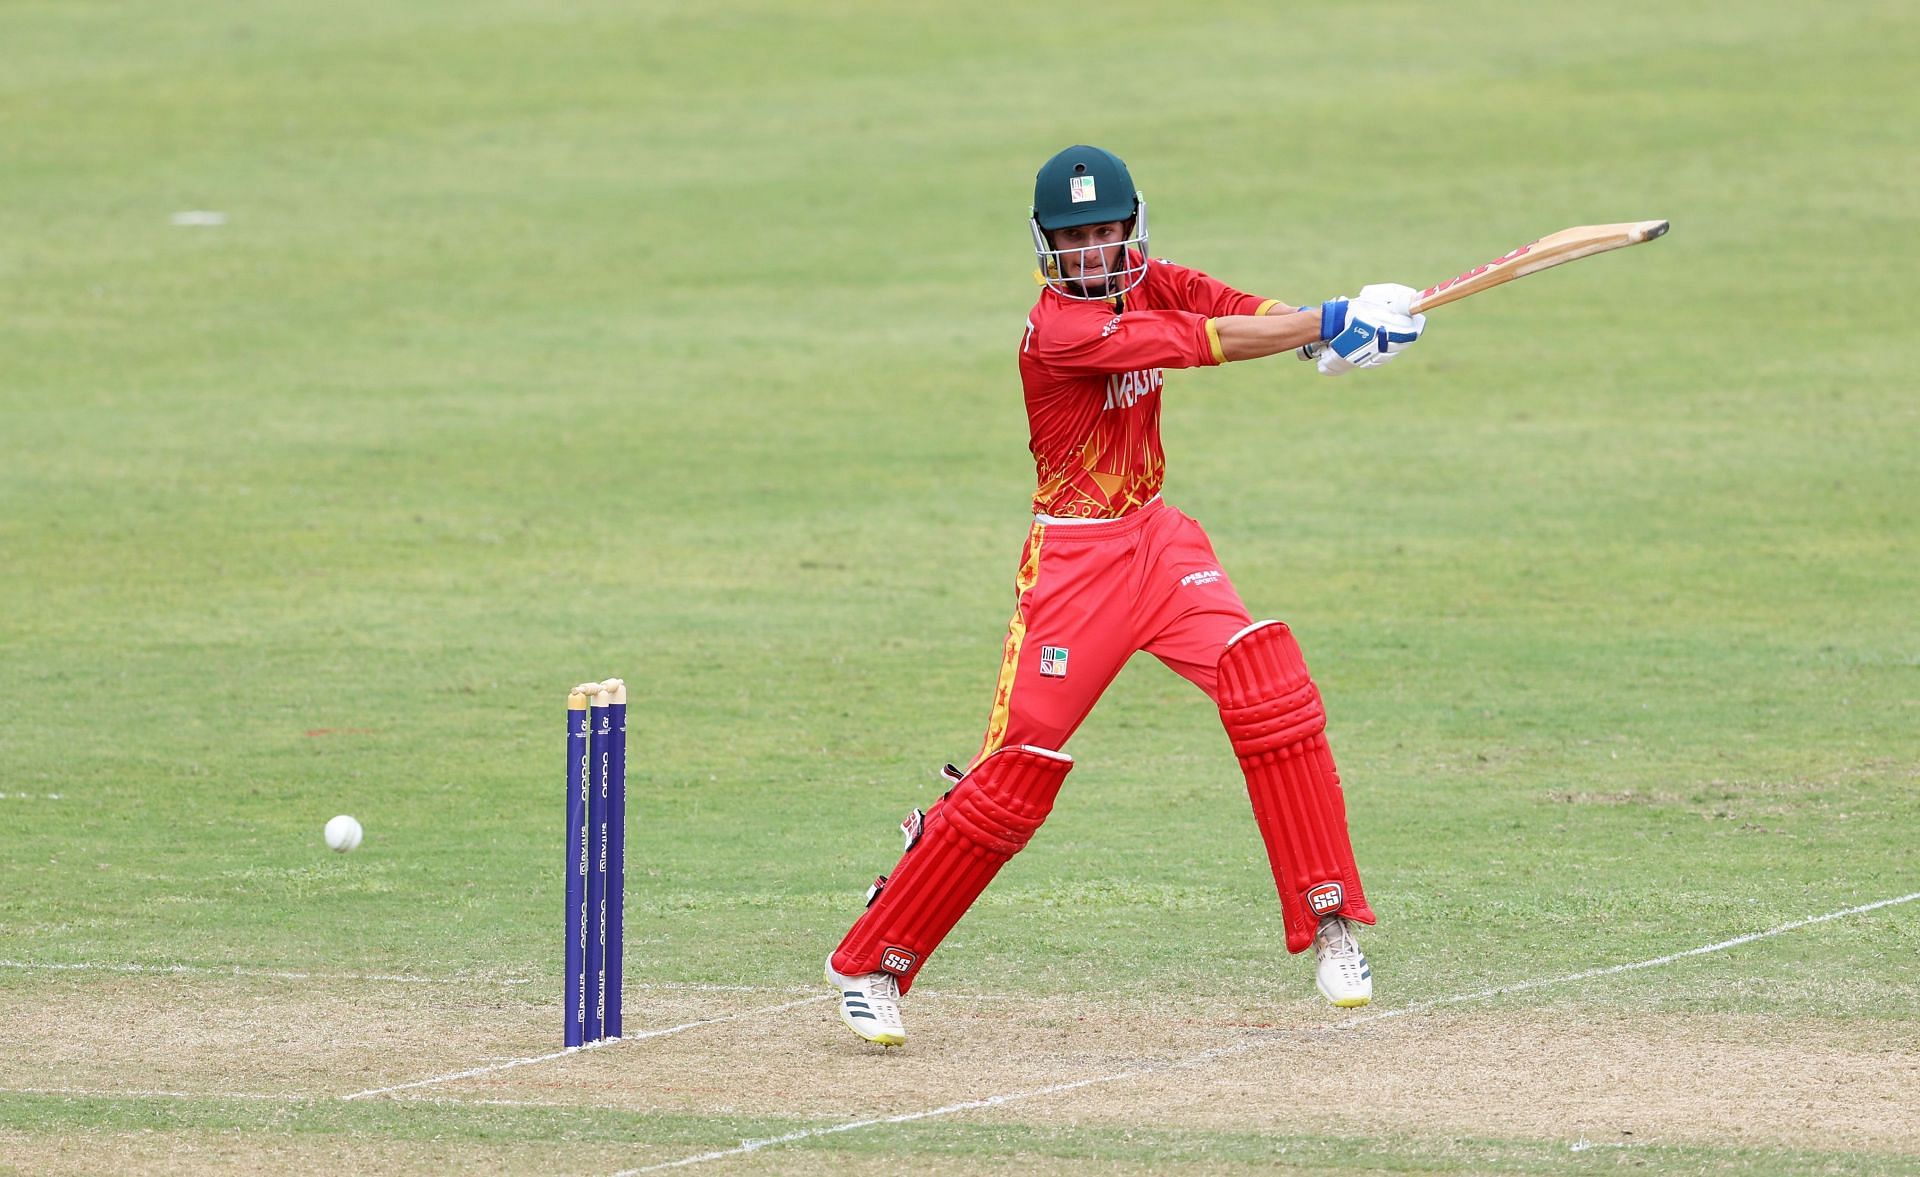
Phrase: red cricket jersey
(1092, 377)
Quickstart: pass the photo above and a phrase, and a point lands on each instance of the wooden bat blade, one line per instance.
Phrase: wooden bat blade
(1552, 250)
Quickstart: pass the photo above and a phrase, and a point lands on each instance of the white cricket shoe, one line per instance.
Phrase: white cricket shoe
(870, 1005)
(1343, 974)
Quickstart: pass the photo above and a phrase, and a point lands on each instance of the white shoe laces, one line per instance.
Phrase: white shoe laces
(880, 989)
(1336, 939)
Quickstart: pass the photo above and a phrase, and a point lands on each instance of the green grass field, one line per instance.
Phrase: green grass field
(545, 342)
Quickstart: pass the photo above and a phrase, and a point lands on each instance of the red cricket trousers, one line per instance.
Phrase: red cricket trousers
(1091, 594)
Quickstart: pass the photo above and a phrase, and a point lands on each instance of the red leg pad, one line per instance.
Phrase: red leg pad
(1273, 715)
(969, 836)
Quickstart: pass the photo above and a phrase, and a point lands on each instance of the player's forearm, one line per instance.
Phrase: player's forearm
(1248, 337)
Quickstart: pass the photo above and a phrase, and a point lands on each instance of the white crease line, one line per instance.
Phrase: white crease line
(29, 796)
(456, 1101)
(1610, 970)
(244, 971)
(1218, 1052)
(808, 1133)
(549, 1057)
(1268, 1037)
(486, 1070)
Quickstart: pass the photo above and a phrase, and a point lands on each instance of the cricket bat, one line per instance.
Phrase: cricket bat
(1552, 250)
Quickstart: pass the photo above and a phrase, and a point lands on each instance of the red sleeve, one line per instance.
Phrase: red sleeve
(1203, 294)
(1087, 338)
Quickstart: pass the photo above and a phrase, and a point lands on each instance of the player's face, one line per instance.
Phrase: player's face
(1090, 255)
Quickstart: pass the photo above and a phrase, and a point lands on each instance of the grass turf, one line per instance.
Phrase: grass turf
(678, 342)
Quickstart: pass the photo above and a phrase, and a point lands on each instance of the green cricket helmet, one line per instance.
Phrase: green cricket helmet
(1088, 186)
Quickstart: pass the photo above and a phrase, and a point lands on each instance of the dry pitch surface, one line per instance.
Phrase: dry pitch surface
(1438, 1079)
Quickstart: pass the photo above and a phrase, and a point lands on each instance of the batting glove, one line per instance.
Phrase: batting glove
(1368, 330)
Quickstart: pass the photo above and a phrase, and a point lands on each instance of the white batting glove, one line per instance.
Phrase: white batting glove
(1366, 332)
(1392, 295)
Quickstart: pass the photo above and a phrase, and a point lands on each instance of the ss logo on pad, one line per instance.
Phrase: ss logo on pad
(1326, 897)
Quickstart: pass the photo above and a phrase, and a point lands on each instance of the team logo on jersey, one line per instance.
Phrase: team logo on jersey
(1113, 325)
(1204, 576)
(1327, 897)
(1080, 189)
(1053, 661)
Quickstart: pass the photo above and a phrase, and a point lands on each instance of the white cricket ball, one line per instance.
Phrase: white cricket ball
(343, 833)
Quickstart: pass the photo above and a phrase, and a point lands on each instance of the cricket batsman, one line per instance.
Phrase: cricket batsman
(1110, 568)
